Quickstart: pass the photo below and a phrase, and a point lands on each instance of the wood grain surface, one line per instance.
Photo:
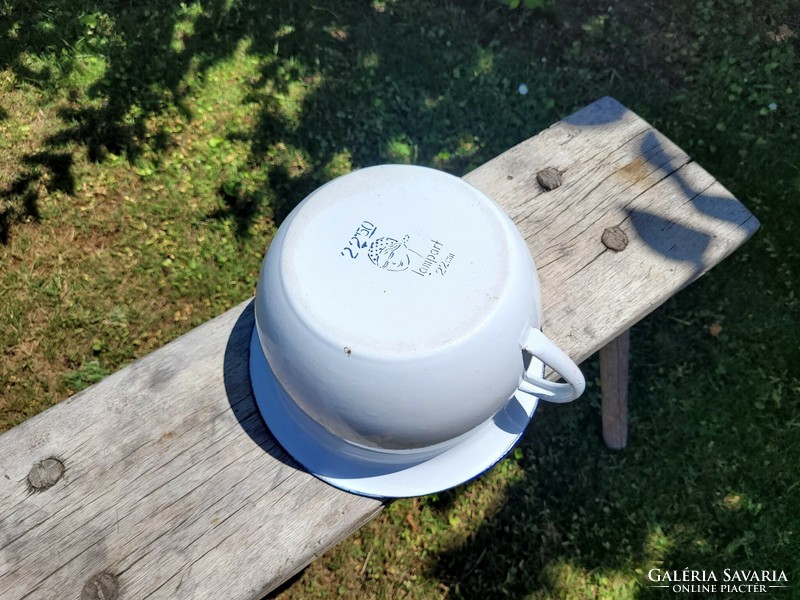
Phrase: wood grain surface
(172, 487)
(616, 171)
(614, 380)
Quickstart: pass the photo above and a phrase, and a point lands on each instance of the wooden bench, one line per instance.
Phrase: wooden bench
(162, 481)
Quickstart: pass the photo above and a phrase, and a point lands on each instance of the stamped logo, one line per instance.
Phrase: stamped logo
(387, 253)
(392, 254)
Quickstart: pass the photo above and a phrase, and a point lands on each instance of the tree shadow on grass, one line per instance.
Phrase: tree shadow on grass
(381, 80)
(19, 200)
(689, 491)
(381, 86)
(585, 519)
(112, 66)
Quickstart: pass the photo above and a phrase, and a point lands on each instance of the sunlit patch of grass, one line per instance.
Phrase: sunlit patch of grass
(340, 164)
(185, 25)
(454, 160)
(87, 69)
(657, 546)
(571, 582)
(89, 373)
(370, 60)
(401, 150)
(734, 501)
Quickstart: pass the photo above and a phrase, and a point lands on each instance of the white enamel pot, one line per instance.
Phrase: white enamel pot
(398, 347)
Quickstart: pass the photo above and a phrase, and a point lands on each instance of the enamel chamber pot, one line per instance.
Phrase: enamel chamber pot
(398, 349)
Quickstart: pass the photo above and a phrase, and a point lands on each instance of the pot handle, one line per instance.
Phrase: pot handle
(539, 345)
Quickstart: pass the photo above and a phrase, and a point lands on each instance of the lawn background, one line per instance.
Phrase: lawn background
(148, 151)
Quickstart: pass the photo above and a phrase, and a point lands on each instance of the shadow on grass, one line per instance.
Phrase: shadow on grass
(144, 52)
(383, 80)
(19, 201)
(691, 490)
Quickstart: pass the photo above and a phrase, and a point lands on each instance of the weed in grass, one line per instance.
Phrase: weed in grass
(89, 373)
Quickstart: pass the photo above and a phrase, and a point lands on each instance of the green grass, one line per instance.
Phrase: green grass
(148, 151)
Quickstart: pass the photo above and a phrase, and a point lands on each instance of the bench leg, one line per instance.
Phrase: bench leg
(614, 387)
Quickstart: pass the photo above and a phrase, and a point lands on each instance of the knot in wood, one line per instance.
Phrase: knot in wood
(45, 474)
(615, 239)
(549, 178)
(103, 586)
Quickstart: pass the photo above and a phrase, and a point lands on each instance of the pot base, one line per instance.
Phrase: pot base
(376, 473)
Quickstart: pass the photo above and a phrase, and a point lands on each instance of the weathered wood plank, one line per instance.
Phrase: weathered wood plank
(174, 486)
(617, 171)
(614, 378)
